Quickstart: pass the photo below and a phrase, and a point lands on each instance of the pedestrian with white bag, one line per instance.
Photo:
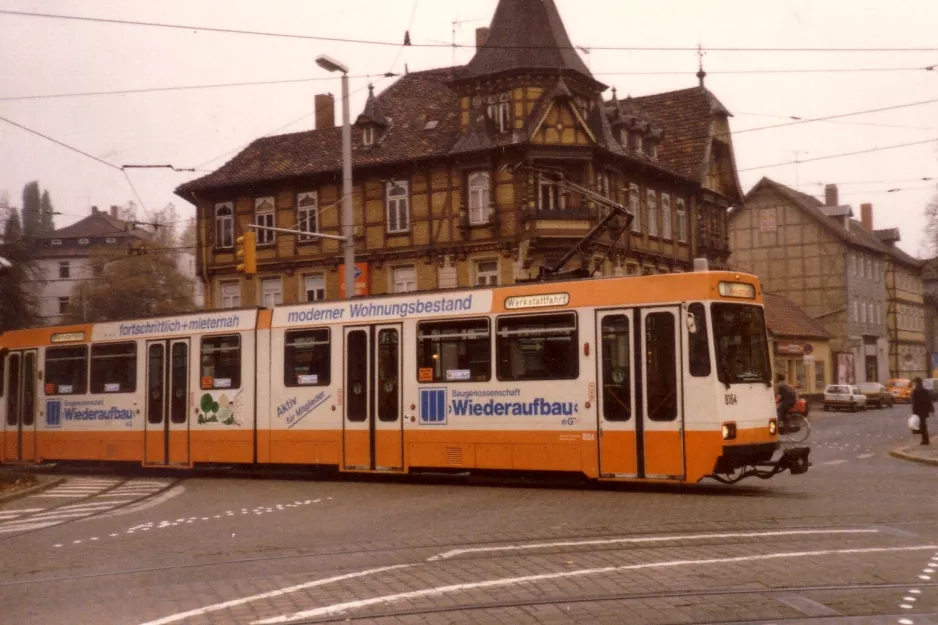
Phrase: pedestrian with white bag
(922, 408)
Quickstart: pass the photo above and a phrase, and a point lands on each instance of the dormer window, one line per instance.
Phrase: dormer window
(368, 135)
(83, 241)
(636, 141)
(499, 111)
(55, 242)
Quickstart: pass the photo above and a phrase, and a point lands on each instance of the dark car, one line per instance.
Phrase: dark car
(931, 385)
(876, 395)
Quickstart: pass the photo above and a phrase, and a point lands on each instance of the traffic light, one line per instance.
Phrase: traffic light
(246, 252)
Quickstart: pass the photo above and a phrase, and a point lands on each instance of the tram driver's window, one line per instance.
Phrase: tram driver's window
(698, 343)
(454, 351)
(114, 368)
(221, 362)
(66, 370)
(306, 358)
(538, 347)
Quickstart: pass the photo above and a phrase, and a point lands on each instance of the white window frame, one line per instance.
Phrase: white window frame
(229, 294)
(681, 214)
(604, 183)
(307, 217)
(666, 216)
(368, 135)
(64, 303)
(862, 312)
(398, 206)
(318, 288)
(853, 264)
(265, 216)
(554, 198)
(404, 279)
(65, 267)
(651, 200)
(635, 205)
(480, 193)
(504, 117)
(276, 294)
(224, 225)
(856, 310)
(486, 276)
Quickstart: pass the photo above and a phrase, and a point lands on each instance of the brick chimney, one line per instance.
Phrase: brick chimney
(94, 210)
(114, 211)
(830, 195)
(482, 35)
(325, 111)
(866, 216)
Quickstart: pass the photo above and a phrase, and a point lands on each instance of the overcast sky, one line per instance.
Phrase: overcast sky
(202, 128)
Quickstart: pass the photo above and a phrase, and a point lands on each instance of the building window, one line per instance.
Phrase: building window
(549, 197)
(315, 287)
(487, 273)
(500, 111)
(55, 242)
(681, 221)
(307, 213)
(479, 194)
(855, 311)
(635, 141)
(229, 295)
(820, 380)
(264, 216)
(853, 265)
(869, 311)
(604, 184)
(64, 270)
(224, 224)
(652, 202)
(635, 205)
(271, 292)
(63, 310)
(368, 135)
(862, 263)
(398, 206)
(665, 216)
(404, 280)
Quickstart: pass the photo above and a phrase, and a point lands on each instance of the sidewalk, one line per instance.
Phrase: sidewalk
(16, 489)
(924, 454)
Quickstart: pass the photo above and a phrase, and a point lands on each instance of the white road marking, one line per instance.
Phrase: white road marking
(646, 539)
(150, 503)
(28, 526)
(22, 510)
(864, 456)
(439, 590)
(268, 595)
(833, 462)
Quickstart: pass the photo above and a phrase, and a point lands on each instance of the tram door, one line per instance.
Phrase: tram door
(618, 445)
(662, 422)
(19, 439)
(373, 435)
(167, 406)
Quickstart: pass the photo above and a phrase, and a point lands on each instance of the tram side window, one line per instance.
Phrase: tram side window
(306, 358)
(454, 351)
(221, 362)
(114, 368)
(66, 370)
(617, 370)
(538, 347)
(3, 362)
(698, 344)
(661, 366)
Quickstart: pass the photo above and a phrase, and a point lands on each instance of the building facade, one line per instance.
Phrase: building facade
(800, 346)
(826, 262)
(473, 175)
(905, 314)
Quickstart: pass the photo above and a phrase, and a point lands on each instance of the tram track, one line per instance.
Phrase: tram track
(372, 615)
(78, 502)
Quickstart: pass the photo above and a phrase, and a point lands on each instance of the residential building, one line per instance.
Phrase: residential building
(800, 345)
(905, 308)
(460, 178)
(64, 257)
(818, 256)
(930, 286)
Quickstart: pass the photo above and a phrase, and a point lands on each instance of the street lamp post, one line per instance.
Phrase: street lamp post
(331, 65)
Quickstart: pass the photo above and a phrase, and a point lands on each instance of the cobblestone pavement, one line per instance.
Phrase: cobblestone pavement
(853, 541)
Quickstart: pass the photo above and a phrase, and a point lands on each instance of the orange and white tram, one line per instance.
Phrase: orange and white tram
(661, 378)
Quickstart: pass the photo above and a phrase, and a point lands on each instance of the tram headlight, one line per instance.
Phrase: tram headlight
(773, 427)
(729, 431)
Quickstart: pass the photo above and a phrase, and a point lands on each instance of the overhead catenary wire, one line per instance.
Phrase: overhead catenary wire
(842, 155)
(237, 31)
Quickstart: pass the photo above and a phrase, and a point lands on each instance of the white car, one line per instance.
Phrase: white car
(843, 397)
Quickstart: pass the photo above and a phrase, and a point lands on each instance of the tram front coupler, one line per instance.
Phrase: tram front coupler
(793, 459)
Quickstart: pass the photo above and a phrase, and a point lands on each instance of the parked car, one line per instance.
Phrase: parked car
(901, 390)
(843, 397)
(876, 394)
(931, 385)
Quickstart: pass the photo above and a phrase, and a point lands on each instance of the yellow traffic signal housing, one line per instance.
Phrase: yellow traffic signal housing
(246, 252)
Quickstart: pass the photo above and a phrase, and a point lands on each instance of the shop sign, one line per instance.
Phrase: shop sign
(787, 348)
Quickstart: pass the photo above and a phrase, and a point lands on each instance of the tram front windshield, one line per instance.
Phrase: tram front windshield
(742, 348)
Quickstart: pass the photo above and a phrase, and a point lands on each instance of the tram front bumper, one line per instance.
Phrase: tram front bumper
(742, 461)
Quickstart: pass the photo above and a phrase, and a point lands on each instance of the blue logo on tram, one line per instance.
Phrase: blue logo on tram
(433, 406)
(53, 413)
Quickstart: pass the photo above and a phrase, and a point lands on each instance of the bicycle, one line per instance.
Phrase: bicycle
(795, 429)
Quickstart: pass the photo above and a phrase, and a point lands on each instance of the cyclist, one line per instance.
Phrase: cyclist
(786, 401)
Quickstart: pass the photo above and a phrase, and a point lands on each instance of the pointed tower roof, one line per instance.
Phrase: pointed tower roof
(372, 112)
(527, 35)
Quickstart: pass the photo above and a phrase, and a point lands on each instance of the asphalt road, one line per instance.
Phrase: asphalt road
(853, 541)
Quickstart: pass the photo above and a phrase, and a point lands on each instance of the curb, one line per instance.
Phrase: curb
(32, 490)
(903, 455)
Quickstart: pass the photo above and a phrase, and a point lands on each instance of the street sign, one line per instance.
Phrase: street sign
(361, 280)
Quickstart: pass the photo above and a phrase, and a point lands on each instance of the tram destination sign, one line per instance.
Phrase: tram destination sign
(385, 309)
(547, 300)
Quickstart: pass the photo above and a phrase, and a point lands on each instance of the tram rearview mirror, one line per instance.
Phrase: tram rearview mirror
(691, 323)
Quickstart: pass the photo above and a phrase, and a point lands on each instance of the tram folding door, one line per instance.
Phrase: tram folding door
(19, 441)
(618, 446)
(662, 421)
(167, 422)
(372, 432)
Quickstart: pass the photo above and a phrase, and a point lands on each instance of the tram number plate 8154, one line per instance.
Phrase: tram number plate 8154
(730, 399)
